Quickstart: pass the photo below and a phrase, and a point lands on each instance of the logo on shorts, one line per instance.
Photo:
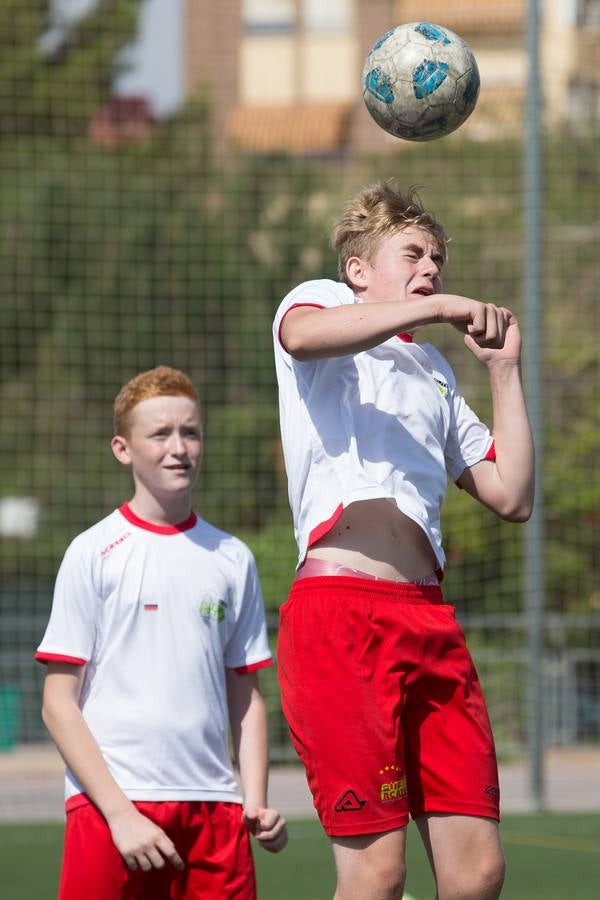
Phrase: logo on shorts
(349, 802)
(394, 787)
(493, 791)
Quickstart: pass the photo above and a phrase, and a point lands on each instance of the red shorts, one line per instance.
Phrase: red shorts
(384, 704)
(209, 837)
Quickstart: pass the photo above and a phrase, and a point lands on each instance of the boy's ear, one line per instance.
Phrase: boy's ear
(356, 271)
(120, 449)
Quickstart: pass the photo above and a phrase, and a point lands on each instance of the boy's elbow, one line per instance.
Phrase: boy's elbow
(54, 710)
(520, 512)
(298, 349)
(301, 355)
(46, 713)
(519, 516)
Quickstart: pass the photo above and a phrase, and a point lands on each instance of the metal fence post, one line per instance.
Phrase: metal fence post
(534, 533)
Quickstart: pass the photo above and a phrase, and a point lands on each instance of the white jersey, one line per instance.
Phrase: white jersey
(388, 422)
(157, 613)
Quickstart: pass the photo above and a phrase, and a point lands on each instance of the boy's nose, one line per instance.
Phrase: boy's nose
(177, 444)
(429, 266)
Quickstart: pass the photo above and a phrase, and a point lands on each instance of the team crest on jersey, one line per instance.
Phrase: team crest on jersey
(394, 786)
(213, 607)
(441, 385)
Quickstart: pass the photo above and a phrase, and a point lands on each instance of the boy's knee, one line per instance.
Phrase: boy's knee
(482, 880)
(492, 875)
(375, 881)
(389, 880)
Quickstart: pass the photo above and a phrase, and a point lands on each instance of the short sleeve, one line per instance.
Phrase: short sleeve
(248, 647)
(469, 439)
(71, 630)
(320, 293)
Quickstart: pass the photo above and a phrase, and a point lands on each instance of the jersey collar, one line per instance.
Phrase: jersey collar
(129, 514)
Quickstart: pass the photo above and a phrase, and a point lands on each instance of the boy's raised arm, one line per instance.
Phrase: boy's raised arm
(139, 841)
(507, 485)
(248, 721)
(309, 333)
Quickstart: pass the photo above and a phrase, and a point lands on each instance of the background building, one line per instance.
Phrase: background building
(283, 74)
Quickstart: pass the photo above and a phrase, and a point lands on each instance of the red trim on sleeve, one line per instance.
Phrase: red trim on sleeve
(324, 527)
(293, 306)
(129, 514)
(252, 667)
(43, 657)
(490, 455)
(406, 337)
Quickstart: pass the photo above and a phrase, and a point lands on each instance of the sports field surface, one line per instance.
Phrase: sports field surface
(550, 857)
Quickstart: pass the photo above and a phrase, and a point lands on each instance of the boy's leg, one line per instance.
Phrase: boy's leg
(465, 854)
(452, 771)
(93, 868)
(215, 847)
(342, 697)
(449, 748)
(209, 836)
(370, 866)
(343, 682)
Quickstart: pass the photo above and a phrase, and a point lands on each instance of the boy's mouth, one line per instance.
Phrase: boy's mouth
(424, 291)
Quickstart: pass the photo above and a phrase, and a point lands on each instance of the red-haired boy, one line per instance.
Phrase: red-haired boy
(156, 632)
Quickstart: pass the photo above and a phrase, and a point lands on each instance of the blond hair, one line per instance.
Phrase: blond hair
(159, 382)
(373, 213)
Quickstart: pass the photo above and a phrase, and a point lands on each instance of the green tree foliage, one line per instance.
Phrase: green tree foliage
(55, 73)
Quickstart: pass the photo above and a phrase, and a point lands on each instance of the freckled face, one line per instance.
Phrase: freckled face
(407, 264)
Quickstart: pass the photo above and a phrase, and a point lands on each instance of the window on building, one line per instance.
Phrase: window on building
(268, 16)
(309, 59)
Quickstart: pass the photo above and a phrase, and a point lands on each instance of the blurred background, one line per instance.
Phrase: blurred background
(169, 169)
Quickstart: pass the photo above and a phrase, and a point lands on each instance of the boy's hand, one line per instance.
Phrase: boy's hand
(491, 332)
(507, 351)
(267, 826)
(484, 322)
(141, 842)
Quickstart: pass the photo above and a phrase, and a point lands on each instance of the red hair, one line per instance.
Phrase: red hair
(159, 382)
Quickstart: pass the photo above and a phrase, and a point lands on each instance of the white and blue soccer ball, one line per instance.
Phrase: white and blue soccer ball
(420, 81)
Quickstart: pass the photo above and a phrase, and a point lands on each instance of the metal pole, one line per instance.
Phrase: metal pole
(534, 533)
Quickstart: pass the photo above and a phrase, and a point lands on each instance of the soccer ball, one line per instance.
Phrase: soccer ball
(420, 81)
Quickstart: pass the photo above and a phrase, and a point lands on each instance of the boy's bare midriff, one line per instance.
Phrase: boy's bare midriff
(374, 536)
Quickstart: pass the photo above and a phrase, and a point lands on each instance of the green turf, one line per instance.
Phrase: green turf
(550, 857)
